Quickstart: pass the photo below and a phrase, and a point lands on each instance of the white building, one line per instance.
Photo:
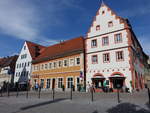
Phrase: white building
(28, 52)
(7, 68)
(113, 53)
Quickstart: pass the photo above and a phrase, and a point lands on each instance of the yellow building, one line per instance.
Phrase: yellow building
(60, 65)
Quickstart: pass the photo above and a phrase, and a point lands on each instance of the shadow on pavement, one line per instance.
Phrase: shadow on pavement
(127, 108)
(42, 104)
(95, 111)
(148, 105)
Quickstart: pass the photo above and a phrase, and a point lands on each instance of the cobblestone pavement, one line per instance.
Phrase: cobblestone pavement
(81, 103)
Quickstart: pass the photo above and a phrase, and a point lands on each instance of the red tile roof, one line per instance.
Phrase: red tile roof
(32, 48)
(68, 47)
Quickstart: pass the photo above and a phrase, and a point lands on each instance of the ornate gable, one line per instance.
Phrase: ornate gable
(105, 16)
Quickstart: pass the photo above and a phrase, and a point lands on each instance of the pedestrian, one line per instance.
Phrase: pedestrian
(88, 86)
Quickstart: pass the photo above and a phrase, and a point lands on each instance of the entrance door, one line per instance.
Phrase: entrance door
(53, 83)
(117, 81)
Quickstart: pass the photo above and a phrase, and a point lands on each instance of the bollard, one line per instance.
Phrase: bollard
(148, 94)
(17, 94)
(53, 92)
(92, 93)
(118, 96)
(8, 90)
(71, 92)
(39, 92)
(27, 90)
(1, 92)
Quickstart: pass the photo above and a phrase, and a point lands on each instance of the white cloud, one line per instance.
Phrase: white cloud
(27, 20)
(139, 10)
(144, 40)
(16, 19)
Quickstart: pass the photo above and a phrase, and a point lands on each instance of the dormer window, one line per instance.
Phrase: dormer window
(97, 27)
(110, 24)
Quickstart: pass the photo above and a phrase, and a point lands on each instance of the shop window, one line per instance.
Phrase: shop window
(69, 82)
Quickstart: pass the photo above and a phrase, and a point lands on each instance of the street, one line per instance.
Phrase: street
(136, 102)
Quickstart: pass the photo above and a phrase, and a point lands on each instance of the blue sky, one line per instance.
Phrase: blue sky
(48, 21)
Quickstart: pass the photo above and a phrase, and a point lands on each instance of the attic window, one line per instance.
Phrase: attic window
(110, 24)
(24, 47)
(97, 27)
(103, 12)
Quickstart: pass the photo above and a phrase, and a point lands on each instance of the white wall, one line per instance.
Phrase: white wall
(106, 69)
(20, 61)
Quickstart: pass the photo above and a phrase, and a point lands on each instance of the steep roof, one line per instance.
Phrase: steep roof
(32, 48)
(8, 61)
(62, 49)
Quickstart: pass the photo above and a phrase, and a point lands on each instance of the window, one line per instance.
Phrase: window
(60, 82)
(78, 61)
(24, 47)
(23, 56)
(94, 43)
(118, 38)
(50, 65)
(16, 74)
(45, 66)
(119, 56)
(60, 63)
(97, 27)
(28, 63)
(42, 66)
(48, 83)
(70, 82)
(65, 62)
(17, 65)
(55, 64)
(25, 64)
(103, 12)
(105, 41)
(22, 64)
(110, 24)
(27, 73)
(94, 59)
(71, 62)
(106, 58)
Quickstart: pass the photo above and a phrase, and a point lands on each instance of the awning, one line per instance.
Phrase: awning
(98, 77)
(117, 77)
(22, 82)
